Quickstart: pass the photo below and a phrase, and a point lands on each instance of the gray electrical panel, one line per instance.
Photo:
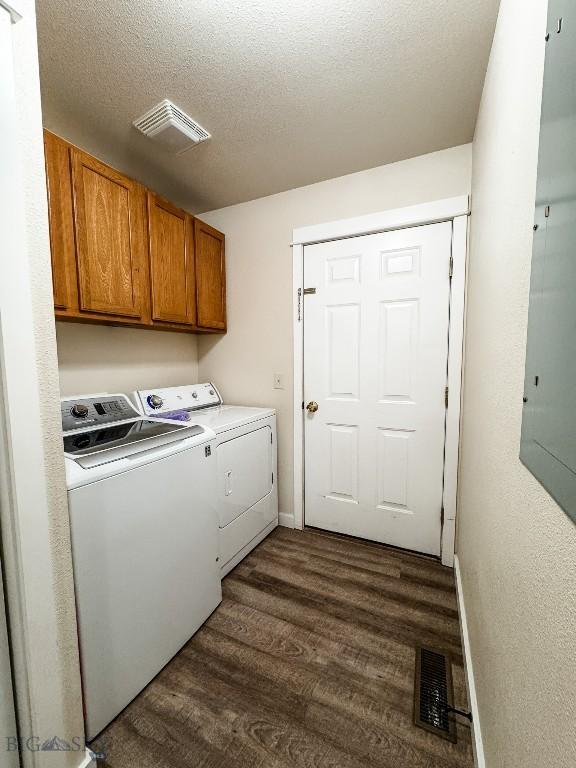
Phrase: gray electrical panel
(548, 446)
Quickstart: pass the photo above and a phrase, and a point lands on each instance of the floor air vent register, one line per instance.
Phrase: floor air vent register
(434, 694)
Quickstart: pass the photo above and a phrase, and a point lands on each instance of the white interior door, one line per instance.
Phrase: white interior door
(375, 363)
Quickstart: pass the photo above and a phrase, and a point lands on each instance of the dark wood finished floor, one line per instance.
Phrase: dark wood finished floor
(307, 663)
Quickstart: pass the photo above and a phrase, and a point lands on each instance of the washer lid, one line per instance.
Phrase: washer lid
(111, 442)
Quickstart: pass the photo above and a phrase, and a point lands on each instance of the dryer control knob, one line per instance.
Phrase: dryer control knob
(211, 391)
(155, 401)
(195, 395)
(79, 411)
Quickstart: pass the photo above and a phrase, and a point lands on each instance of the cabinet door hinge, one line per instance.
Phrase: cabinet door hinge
(446, 397)
(451, 267)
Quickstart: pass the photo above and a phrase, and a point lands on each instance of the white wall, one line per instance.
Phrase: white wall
(259, 276)
(517, 548)
(97, 358)
(48, 677)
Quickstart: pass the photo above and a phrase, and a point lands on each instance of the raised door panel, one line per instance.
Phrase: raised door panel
(343, 348)
(397, 350)
(171, 262)
(61, 219)
(342, 472)
(210, 276)
(110, 218)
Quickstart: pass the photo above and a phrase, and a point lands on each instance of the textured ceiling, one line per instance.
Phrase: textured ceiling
(293, 91)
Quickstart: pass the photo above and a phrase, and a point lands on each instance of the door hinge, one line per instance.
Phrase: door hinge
(446, 397)
(547, 211)
(308, 291)
(271, 441)
(299, 304)
(272, 478)
(451, 267)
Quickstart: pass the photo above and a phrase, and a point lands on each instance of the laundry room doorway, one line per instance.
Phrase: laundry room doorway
(379, 318)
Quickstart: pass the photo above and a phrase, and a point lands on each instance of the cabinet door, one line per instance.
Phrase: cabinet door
(171, 262)
(210, 276)
(110, 218)
(61, 218)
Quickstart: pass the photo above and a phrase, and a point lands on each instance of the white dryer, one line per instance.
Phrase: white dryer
(246, 462)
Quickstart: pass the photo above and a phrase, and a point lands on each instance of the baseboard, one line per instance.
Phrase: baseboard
(286, 519)
(477, 744)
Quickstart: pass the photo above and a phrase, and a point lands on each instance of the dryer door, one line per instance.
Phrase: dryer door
(245, 472)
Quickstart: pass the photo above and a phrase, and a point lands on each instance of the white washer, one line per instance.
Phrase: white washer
(246, 461)
(141, 496)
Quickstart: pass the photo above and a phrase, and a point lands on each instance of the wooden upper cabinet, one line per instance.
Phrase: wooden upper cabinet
(122, 255)
(210, 276)
(61, 218)
(110, 224)
(172, 282)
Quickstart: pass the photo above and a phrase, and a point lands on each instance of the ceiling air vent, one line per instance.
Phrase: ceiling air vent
(170, 127)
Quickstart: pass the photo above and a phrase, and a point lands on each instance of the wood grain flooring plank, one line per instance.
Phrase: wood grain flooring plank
(282, 638)
(312, 617)
(421, 568)
(267, 715)
(408, 594)
(389, 621)
(358, 697)
(307, 663)
(392, 578)
(253, 682)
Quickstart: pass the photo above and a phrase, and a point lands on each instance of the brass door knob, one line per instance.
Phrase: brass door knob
(312, 407)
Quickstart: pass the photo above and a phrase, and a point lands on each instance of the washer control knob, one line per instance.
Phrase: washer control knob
(79, 411)
(211, 391)
(155, 401)
(195, 395)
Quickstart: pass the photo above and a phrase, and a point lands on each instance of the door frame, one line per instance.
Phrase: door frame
(455, 210)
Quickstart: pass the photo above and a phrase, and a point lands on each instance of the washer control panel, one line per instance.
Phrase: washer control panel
(189, 397)
(93, 410)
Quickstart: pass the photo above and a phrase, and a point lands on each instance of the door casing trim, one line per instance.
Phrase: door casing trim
(456, 210)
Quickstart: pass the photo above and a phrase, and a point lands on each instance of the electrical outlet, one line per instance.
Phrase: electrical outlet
(278, 381)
